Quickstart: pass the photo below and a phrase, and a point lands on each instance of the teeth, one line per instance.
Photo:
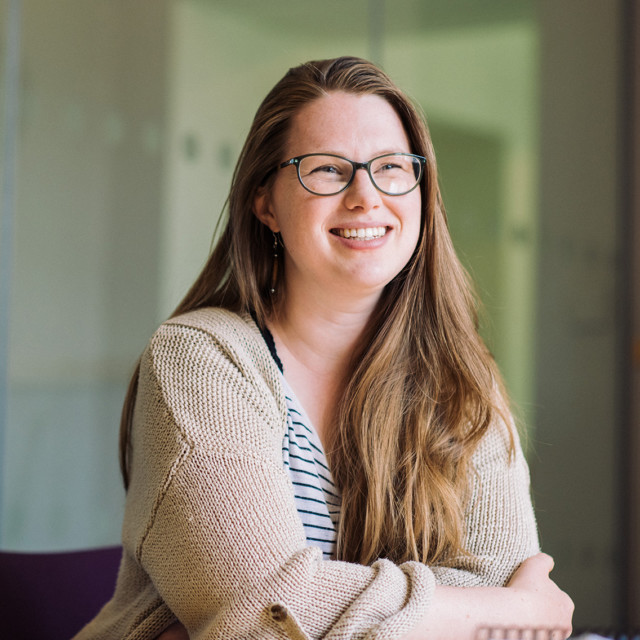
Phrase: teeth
(363, 234)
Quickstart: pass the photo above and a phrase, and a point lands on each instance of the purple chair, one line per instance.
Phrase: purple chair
(53, 595)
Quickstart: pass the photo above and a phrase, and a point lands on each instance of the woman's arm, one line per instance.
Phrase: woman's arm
(531, 601)
(500, 524)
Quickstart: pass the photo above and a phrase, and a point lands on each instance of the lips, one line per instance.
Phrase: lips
(361, 233)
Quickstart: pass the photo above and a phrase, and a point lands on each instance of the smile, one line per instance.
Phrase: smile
(368, 233)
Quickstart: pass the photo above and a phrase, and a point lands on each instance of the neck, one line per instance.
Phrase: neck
(315, 337)
(321, 331)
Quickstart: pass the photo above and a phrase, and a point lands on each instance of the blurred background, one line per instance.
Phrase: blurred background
(121, 124)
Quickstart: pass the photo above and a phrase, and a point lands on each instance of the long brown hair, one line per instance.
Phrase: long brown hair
(422, 389)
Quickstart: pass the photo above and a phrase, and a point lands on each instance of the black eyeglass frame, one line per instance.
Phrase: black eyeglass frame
(356, 165)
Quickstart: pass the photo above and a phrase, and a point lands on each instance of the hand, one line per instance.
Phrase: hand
(175, 632)
(544, 599)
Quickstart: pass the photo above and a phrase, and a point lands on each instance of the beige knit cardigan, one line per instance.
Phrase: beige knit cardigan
(211, 534)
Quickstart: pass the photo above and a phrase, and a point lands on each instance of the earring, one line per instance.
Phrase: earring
(274, 270)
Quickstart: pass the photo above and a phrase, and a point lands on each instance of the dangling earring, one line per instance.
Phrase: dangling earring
(274, 270)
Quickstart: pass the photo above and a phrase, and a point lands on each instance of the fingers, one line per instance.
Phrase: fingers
(543, 561)
(175, 632)
(522, 634)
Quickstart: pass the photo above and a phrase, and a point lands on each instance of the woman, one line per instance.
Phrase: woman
(333, 317)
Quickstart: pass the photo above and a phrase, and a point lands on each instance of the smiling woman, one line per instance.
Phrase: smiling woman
(324, 261)
(317, 444)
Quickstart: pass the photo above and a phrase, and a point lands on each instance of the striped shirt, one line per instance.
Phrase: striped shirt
(316, 497)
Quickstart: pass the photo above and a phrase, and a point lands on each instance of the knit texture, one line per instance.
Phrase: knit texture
(211, 534)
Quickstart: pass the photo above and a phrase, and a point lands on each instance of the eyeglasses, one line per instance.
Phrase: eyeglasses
(325, 174)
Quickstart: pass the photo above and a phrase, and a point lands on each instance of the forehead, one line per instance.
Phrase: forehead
(358, 126)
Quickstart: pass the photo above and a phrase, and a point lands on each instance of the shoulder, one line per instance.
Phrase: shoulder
(223, 325)
(500, 448)
(213, 333)
(497, 442)
(212, 366)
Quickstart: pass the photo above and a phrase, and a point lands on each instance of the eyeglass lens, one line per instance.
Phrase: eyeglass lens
(394, 174)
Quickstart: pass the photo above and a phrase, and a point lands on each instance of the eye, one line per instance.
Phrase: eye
(392, 165)
(326, 168)
(388, 166)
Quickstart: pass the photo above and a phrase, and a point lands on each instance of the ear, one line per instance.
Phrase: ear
(263, 209)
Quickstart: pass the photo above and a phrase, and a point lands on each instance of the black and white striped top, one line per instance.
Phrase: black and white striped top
(316, 497)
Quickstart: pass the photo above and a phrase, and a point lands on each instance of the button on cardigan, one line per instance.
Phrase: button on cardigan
(211, 535)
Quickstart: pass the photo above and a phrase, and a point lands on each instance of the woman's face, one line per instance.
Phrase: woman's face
(313, 228)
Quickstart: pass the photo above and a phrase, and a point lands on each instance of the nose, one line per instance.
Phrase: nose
(361, 193)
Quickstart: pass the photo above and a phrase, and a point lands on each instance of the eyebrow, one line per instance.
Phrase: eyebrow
(383, 152)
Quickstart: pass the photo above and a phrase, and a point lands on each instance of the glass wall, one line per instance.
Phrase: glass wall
(131, 116)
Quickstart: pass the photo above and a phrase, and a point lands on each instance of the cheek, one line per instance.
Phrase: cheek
(413, 220)
(303, 221)
(297, 236)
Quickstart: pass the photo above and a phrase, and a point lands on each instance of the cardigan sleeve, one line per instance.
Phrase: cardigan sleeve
(501, 530)
(210, 516)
